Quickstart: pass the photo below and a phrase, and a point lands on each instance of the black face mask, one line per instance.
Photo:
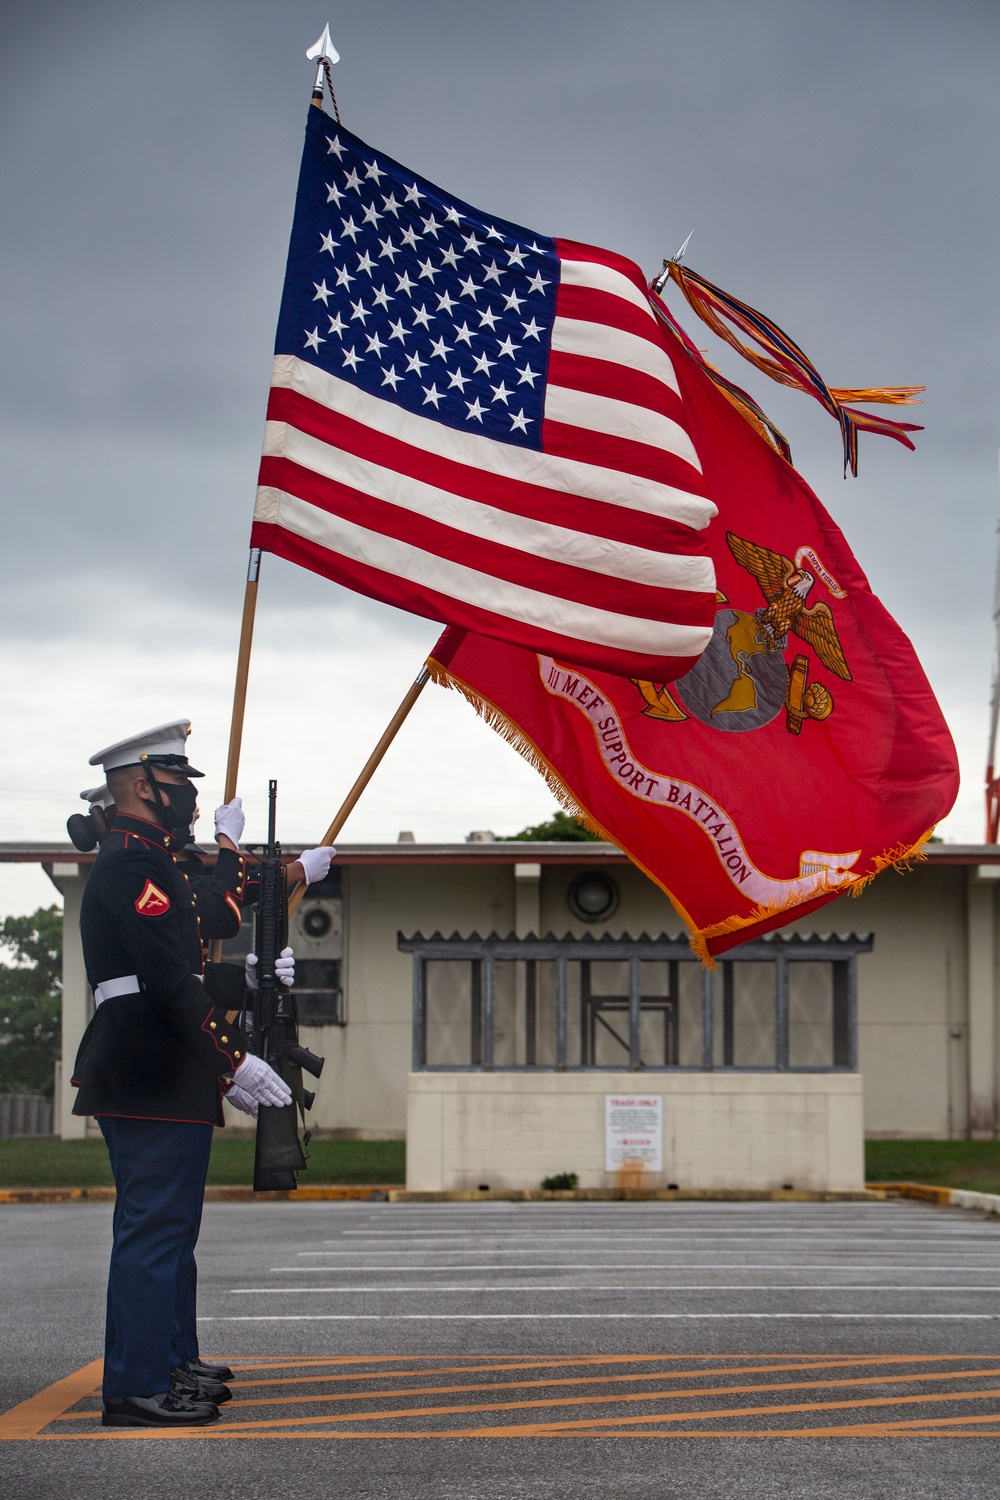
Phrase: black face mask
(178, 806)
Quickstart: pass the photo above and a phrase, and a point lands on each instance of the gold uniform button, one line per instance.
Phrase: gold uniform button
(212, 1025)
(225, 1039)
(236, 1054)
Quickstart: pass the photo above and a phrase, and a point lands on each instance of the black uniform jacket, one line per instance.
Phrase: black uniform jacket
(219, 895)
(159, 1054)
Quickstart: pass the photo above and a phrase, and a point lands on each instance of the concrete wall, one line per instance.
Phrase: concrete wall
(721, 1130)
(643, 906)
(364, 1085)
(913, 996)
(78, 1004)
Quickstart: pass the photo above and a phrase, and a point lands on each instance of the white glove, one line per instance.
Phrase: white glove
(242, 1100)
(284, 968)
(230, 819)
(258, 1079)
(316, 862)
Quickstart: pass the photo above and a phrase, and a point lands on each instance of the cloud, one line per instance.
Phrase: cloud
(317, 704)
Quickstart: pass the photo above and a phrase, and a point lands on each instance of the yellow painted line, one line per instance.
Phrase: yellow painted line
(320, 1193)
(581, 1359)
(52, 1405)
(709, 1390)
(606, 1423)
(27, 1419)
(922, 1190)
(859, 1429)
(41, 1195)
(807, 1364)
(590, 1361)
(856, 1429)
(486, 1388)
(542, 1428)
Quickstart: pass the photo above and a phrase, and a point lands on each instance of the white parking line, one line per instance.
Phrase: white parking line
(577, 1317)
(625, 1288)
(396, 1241)
(890, 1263)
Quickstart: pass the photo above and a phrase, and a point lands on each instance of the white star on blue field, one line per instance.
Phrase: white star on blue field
(415, 296)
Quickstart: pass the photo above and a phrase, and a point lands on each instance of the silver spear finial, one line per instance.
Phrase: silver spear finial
(324, 53)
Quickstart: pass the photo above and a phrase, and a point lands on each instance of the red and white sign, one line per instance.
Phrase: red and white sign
(633, 1131)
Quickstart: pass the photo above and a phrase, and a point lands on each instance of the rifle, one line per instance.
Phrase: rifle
(279, 1153)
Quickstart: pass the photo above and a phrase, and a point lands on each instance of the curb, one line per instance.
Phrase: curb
(331, 1193)
(988, 1203)
(634, 1195)
(985, 1203)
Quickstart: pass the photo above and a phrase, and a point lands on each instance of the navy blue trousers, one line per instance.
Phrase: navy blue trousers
(159, 1168)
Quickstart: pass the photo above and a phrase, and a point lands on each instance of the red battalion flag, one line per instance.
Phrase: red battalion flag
(801, 754)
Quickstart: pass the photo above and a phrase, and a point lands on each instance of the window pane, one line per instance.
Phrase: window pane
(751, 1019)
(545, 1013)
(449, 1014)
(659, 1032)
(689, 1021)
(810, 1015)
(508, 1014)
(604, 1013)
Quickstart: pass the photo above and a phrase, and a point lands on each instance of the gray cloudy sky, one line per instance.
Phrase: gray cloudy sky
(837, 160)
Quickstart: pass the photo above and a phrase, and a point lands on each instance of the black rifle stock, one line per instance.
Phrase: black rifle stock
(279, 1153)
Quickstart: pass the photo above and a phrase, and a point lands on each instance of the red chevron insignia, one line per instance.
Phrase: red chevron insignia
(152, 902)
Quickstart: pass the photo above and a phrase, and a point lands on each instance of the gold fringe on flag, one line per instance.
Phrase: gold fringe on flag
(508, 730)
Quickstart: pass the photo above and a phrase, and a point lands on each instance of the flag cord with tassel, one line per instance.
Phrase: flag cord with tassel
(781, 359)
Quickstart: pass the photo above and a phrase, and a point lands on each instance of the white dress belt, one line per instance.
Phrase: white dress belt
(128, 984)
(109, 989)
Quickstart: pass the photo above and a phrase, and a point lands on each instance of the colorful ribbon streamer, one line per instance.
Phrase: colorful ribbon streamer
(782, 360)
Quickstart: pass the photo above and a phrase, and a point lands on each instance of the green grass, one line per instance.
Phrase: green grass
(958, 1164)
(85, 1163)
(966, 1164)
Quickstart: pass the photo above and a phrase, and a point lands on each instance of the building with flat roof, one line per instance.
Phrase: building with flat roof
(486, 999)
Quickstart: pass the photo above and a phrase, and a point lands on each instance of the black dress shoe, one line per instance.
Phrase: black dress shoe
(198, 1387)
(208, 1371)
(168, 1409)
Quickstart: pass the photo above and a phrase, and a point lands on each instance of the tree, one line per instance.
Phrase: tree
(30, 1000)
(561, 827)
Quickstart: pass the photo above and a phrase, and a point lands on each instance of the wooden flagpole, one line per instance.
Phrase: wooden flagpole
(242, 673)
(324, 52)
(240, 696)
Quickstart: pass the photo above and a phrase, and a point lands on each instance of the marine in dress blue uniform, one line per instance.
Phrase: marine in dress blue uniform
(152, 1067)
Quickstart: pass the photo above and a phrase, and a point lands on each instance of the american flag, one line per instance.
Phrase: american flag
(480, 424)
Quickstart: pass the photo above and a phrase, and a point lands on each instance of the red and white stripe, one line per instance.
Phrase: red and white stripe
(593, 550)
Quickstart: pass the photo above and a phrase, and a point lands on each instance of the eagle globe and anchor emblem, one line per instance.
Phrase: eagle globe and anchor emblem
(742, 680)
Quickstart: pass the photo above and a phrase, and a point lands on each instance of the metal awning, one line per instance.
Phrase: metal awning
(779, 949)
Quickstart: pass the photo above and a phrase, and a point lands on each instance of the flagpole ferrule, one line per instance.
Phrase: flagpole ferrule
(317, 93)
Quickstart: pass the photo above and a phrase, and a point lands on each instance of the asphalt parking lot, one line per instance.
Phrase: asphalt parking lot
(640, 1350)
